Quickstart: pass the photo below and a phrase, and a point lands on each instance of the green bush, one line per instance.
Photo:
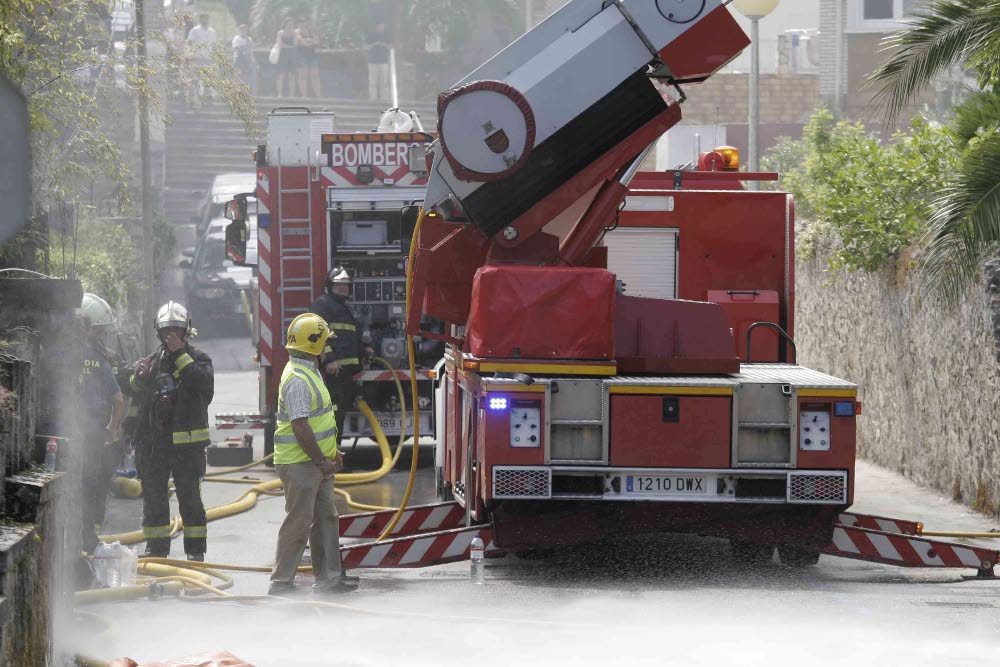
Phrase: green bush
(869, 200)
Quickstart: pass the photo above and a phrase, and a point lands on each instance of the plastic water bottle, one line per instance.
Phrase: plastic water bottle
(128, 565)
(477, 553)
(112, 567)
(51, 451)
(101, 559)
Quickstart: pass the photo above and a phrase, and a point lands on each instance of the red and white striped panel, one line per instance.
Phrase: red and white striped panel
(265, 290)
(386, 376)
(884, 524)
(446, 546)
(907, 550)
(415, 520)
(345, 177)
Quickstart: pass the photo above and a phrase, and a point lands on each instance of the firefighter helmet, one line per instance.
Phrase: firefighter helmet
(96, 311)
(172, 314)
(307, 333)
(338, 275)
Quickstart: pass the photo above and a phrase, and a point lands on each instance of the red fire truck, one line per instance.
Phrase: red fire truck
(326, 198)
(619, 344)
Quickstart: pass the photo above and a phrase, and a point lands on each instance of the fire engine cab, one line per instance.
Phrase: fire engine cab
(330, 198)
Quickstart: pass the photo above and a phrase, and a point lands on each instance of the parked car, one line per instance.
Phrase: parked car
(224, 187)
(216, 290)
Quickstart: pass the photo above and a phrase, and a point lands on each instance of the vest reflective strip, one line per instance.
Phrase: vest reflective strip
(349, 361)
(191, 437)
(341, 326)
(183, 361)
(291, 439)
(154, 532)
(315, 413)
(133, 411)
(195, 531)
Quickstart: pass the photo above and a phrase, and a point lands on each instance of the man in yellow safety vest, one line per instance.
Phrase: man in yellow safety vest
(306, 459)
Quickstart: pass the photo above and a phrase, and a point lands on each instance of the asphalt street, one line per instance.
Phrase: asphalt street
(664, 600)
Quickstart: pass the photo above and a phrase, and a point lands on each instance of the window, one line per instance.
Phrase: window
(874, 10)
(879, 15)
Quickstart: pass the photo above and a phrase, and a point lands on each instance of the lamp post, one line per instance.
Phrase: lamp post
(754, 10)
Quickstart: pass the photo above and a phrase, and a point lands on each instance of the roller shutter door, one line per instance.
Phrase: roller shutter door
(645, 259)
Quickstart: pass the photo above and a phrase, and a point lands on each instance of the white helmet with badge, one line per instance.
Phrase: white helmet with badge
(172, 314)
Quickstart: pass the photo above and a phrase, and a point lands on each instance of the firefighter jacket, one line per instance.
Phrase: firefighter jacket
(174, 398)
(321, 416)
(344, 343)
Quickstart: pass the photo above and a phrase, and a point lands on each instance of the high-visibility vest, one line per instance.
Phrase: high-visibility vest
(322, 416)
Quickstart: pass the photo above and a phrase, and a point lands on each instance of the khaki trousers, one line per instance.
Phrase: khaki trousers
(310, 514)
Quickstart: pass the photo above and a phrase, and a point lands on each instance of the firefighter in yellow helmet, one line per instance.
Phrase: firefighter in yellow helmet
(100, 416)
(306, 459)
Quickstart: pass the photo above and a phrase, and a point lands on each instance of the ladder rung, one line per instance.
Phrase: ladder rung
(298, 280)
(295, 257)
(296, 289)
(304, 221)
(295, 191)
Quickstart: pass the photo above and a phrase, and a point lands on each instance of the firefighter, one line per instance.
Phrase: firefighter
(341, 358)
(101, 411)
(174, 387)
(306, 459)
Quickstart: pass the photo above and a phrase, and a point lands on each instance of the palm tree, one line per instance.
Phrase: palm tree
(965, 227)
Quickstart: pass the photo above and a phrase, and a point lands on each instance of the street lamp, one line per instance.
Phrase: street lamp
(754, 10)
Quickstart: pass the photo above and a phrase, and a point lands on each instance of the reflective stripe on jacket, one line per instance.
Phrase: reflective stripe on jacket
(322, 416)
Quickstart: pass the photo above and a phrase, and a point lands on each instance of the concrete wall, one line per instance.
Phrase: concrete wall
(929, 376)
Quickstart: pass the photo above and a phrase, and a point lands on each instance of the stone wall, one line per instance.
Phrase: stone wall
(929, 376)
(39, 372)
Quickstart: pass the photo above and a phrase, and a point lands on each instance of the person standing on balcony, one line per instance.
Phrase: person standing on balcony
(243, 58)
(378, 64)
(287, 58)
(308, 62)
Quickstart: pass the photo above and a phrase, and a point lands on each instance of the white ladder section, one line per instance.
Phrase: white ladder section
(294, 260)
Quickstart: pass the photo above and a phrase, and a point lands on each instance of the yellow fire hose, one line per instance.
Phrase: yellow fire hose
(411, 352)
(248, 499)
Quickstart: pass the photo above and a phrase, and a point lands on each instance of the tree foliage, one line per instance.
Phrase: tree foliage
(871, 201)
(965, 227)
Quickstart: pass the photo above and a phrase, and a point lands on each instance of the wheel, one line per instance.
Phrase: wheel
(751, 553)
(798, 557)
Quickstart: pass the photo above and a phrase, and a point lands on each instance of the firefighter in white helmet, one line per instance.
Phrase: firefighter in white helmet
(306, 459)
(100, 416)
(174, 386)
(341, 357)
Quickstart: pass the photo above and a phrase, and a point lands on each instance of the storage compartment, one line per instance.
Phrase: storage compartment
(358, 234)
(576, 443)
(542, 313)
(692, 432)
(229, 457)
(743, 307)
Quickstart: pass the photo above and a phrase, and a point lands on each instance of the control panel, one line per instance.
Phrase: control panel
(525, 426)
(814, 431)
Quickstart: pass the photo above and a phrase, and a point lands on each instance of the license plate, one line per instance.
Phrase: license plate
(390, 425)
(693, 485)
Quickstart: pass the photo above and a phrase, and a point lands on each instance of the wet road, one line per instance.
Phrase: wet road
(666, 600)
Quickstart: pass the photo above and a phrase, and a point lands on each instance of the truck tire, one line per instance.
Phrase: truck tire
(797, 556)
(751, 553)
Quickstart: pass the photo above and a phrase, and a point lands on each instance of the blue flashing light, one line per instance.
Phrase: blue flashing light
(843, 408)
(498, 403)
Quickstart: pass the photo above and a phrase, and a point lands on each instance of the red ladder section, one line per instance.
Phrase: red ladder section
(425, 535)
(433, 534)
(897, 542)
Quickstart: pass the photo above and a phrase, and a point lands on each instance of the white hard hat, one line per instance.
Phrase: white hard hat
(338, 275)
(172, 314)
(96, 311)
